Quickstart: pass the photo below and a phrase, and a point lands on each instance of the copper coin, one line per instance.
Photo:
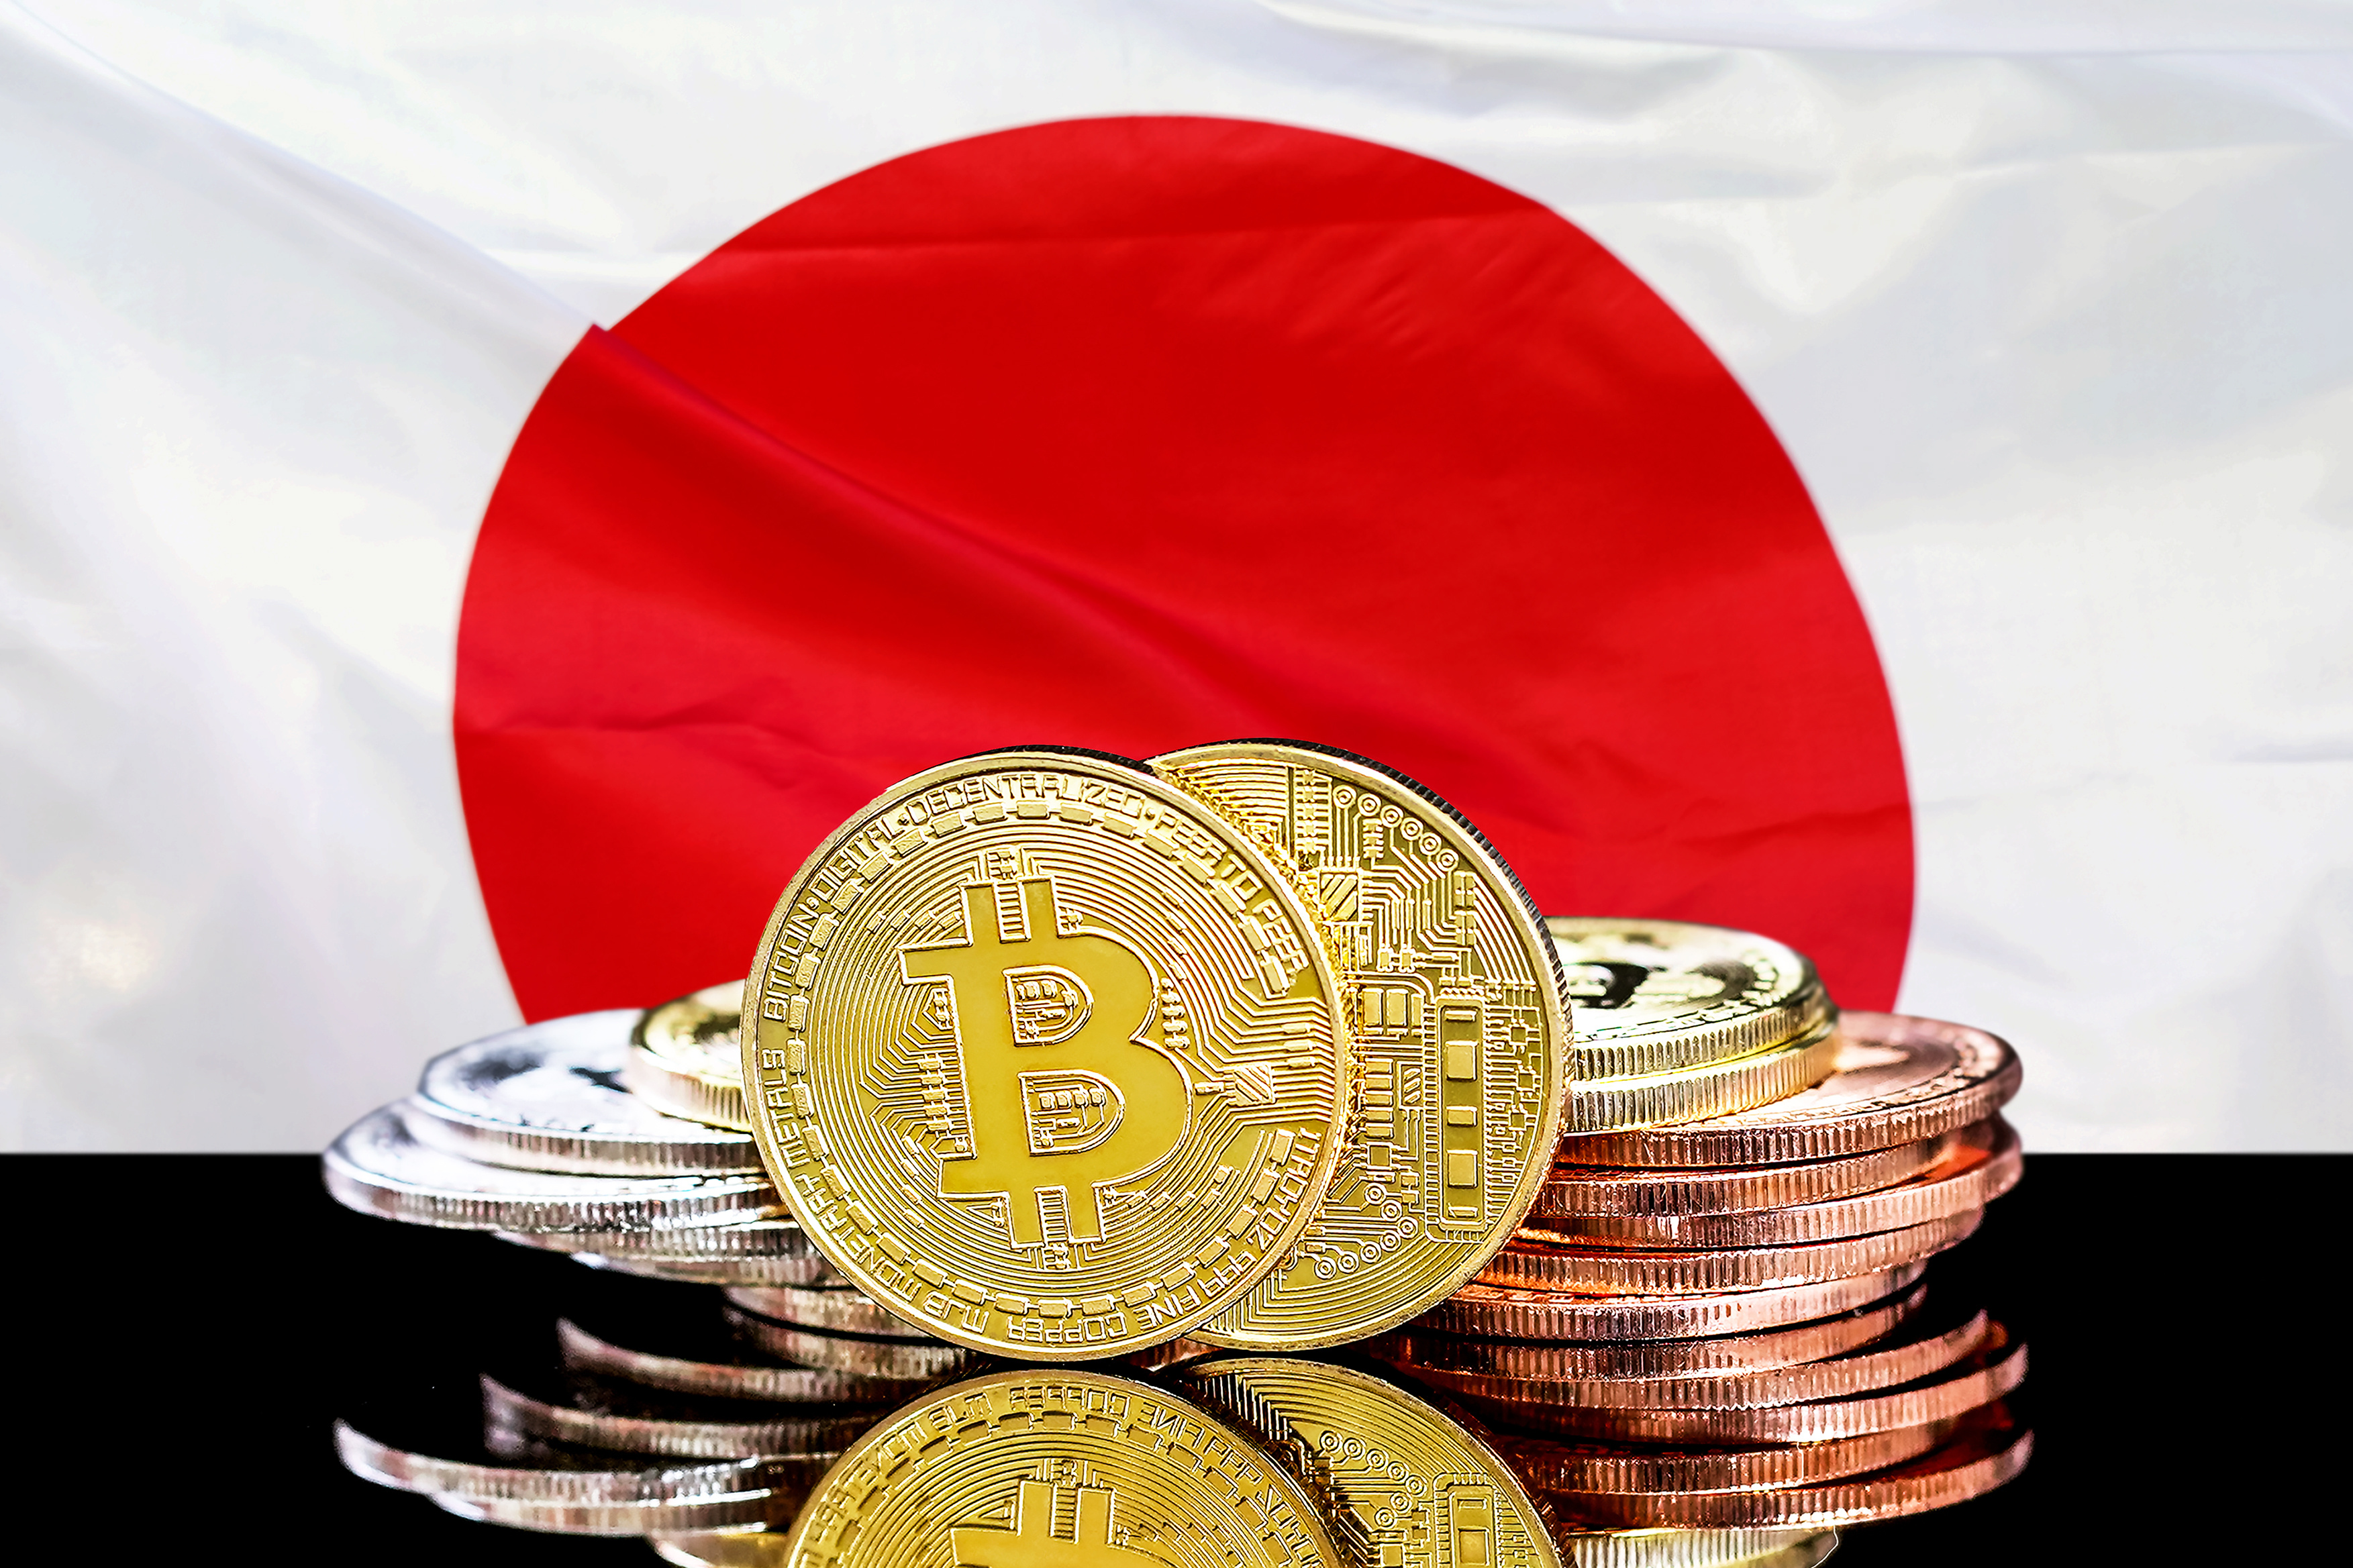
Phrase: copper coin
(1989, 1451)
(1921, 1348)
(1987, 1374)
(1580, 1190)
(1897, 1080)
(1548, 1260)
(1451, 1361)
(786, 1437)
(713, 1378)
(1982, 1164)
(1548, 1465)
(852, 1353)
(1514, 1312)
(839, 1306)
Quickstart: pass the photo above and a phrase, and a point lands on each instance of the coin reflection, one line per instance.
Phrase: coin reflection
(660, 1411)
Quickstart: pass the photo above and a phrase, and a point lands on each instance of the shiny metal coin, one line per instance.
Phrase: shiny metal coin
(753, 1509)
(716, 1372)
(1666, 996)
(549, 1097)
(379, 1167)
(1501, 1311)
(723, 1272)
(841, 1308)
(406, 1470)
(686, 1056)
(749, 1239)
(853, 1352)
(675, 1436)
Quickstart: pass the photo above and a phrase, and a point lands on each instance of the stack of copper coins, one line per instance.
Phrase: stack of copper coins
(1724, 1323)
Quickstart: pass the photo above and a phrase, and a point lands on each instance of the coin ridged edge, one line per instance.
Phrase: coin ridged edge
(494, 1142)
(1924, 1200)
(1724, 1088)
(677, 1090)
(780, 1436)
(777, 1385)
(1531, 1362)
(1817, 1138)
(1550, 1465)
(2001, 1366)
(1659, 1273)
(1888, 1494)
(1593, 1192)
(1583, 1546)
(882, 1357)
(1837, 1377)
(1476, 1310)
(763, 1507)
(766, 1235)
(840, 1309)
(734, 1200)
(1648, 1055)
(403, 1470)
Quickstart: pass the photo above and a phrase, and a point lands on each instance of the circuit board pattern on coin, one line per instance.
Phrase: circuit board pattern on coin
(1400, 1482)
(1047, 1056)
(1067, 1469)
(1462, 1027)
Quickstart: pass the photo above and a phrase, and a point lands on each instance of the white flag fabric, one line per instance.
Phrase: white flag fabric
(2046, 307)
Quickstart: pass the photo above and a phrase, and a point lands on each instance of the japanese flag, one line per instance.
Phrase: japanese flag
(483, 489)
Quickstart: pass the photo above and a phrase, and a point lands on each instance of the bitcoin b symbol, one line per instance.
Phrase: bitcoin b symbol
(1064, 1096)
(1032, 1543)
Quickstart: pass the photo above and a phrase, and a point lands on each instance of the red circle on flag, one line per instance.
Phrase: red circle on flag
(1137, 433)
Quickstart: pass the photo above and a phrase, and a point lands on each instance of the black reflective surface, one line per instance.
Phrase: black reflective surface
(197, 1325)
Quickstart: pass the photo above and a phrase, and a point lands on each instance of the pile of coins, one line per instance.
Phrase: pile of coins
(1255, 1050)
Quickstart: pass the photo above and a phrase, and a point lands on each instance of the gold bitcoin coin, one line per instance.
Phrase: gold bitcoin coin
(1720, 1088)
(1659, 996)
(1047, 1057)
(1056, 1468)
(686, 1058)
(1461, 1033)
(1407, 1482)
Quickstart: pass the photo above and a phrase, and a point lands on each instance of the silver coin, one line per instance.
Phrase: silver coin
(842, 1308)
(585, 1351)
(549, 1097)
(406, 1470)
(736, 1271)
(746, 1510)
(851, 1352)
(717, 1242)
(782, 1437)
(378, 1167)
